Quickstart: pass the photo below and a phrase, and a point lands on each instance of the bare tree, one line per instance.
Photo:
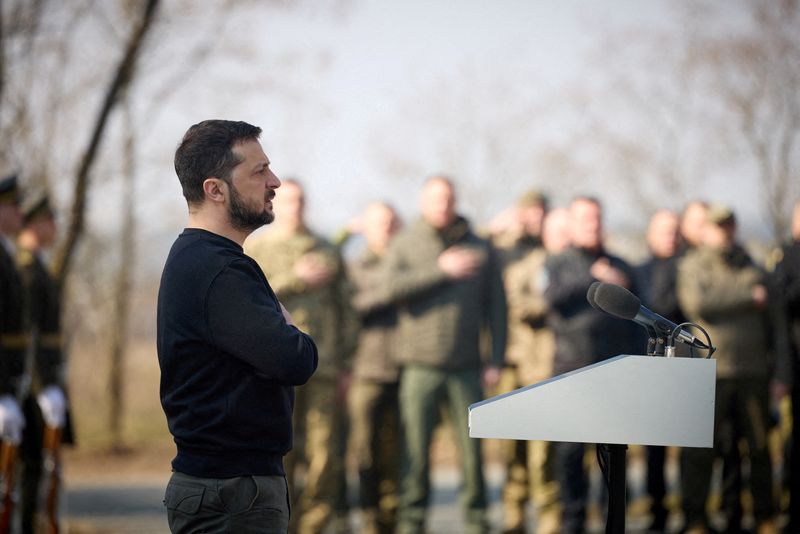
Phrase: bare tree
(121, 79)
(122, 289)
(716, 90)
(479, 129)
(756, 75)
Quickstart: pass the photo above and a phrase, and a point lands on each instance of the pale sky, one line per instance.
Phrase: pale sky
(336, 93)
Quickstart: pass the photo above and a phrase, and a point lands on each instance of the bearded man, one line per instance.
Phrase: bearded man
(229, 353)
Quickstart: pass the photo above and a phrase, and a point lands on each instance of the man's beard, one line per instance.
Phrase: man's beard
(242, 217)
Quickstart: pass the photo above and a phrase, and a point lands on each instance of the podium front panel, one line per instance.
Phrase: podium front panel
(644, 400)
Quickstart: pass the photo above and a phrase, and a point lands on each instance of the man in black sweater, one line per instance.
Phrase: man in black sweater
(229, 353)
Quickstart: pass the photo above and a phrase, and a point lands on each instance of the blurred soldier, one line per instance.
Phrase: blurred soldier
(518, 231)
(449, 287)
(45, 405)
(556, 232)
(373, 397)
(788, 274)
(308, 275)
(721, 288)
(657, 280)
(692, 228)
(583, 335)
(13, 335)
(692, 224)
(529, 359)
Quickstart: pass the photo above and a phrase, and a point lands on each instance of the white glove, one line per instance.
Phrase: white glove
(53, 405)
(11, 420)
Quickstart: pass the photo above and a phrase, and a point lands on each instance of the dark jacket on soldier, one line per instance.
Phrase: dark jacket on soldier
(44, 316)
(584, 335)
(657, 280)
(440, 320)
(788, 275)
(375, 357)
(14, 337)
(657, 283)
(715, 290)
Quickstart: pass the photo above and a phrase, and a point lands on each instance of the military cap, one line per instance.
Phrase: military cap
(9, 190)
(39, 207)
(533, 197)
(721, 214)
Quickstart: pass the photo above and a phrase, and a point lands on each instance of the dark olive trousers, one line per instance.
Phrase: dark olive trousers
(423, 390)
(246, 505)
(741, 404)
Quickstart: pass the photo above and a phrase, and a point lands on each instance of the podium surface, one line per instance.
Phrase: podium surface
(641, 400)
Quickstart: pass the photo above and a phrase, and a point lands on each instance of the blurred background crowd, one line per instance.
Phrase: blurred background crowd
(621, 112)
(441, 314)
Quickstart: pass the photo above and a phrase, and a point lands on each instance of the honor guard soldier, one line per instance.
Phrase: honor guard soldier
(45, 404)
(13, 344)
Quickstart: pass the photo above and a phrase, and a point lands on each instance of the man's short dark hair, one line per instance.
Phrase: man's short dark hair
(207, 150)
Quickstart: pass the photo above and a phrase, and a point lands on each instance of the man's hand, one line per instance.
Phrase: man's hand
(491, 377)
(760, 296)
(313, 271)
(11, 420)
(602, 270)
(53, 404)
(459, 263)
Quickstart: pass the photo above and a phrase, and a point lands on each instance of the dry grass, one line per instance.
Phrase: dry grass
(143, 422)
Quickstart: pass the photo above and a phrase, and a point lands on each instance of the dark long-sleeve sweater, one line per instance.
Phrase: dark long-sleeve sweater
(229, 361)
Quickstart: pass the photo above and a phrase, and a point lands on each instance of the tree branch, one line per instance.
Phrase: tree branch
(121, 80)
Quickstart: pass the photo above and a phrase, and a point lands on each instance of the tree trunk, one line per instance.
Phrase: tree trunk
(120, 82)
(122, 290)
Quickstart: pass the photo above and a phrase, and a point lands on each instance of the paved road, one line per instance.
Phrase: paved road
(136, 507)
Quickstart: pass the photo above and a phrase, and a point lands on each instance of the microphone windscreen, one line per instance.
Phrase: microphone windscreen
(590, 295)
(616, 300)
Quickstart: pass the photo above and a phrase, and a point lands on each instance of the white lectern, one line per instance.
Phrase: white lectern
(643, 400)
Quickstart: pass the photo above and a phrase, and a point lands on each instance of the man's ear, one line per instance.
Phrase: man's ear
(215, 190)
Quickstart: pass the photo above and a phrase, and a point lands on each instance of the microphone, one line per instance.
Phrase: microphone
(619, 302)
(590, 296)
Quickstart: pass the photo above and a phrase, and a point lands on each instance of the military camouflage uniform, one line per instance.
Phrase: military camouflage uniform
(715, 290)
(529, 359)
(325, 314)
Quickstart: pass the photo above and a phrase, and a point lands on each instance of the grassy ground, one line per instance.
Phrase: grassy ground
(143, 423)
